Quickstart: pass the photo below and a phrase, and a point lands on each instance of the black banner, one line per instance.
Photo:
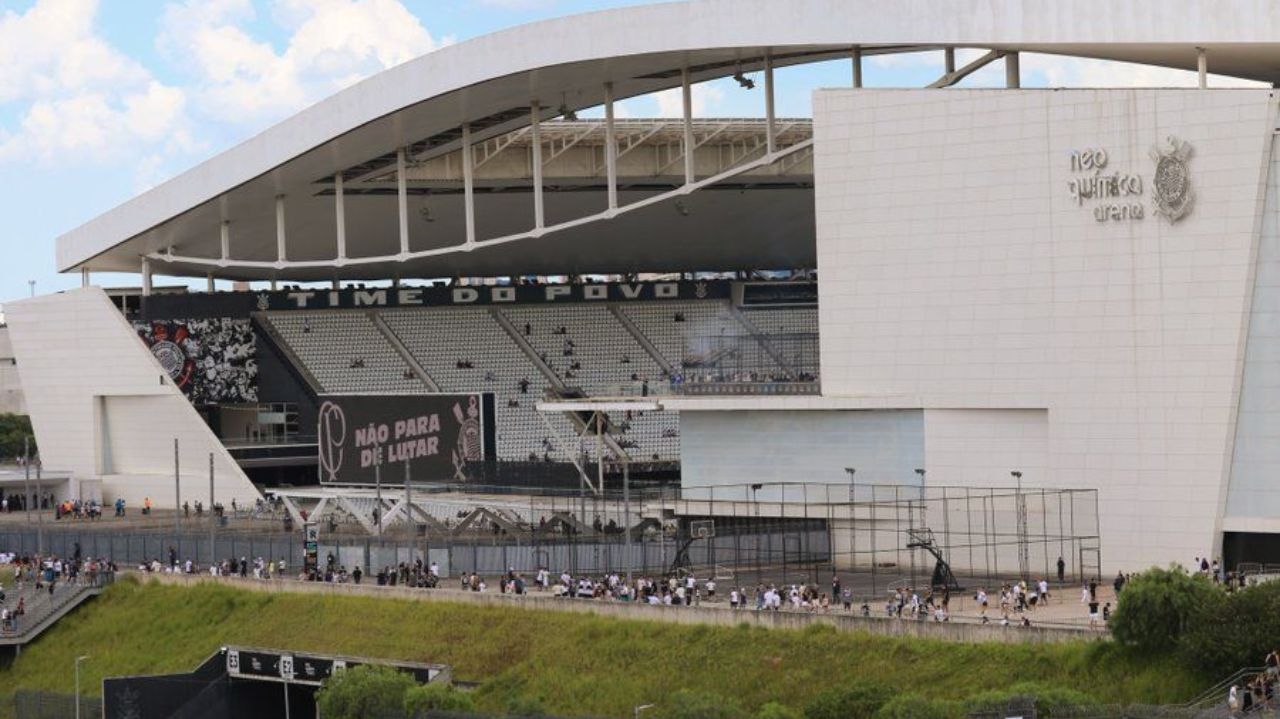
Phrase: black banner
(436, 434)
(240, 304)
(779, 294)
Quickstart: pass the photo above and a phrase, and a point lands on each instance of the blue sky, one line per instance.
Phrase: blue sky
(101, 99)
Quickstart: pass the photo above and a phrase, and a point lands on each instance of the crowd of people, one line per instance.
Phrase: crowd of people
(44, 574)
(1258, 693)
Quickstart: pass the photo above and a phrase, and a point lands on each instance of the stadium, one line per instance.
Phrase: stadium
(1005, 324)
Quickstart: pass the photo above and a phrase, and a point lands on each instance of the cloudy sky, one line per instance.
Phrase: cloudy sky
(102, 99)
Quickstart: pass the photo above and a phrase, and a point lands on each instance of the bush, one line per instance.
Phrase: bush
(912, 706)
(363, 692)
(1157, 606)
(774, 710)
(436, 697)
(1238, 632)
(689, 704)
(523, 705)
(1050, 701)
(860, 700)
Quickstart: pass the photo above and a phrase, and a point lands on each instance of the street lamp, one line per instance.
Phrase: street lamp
(635, 713)
(78, 660)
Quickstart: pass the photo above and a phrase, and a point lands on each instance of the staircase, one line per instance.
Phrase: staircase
(43, 610)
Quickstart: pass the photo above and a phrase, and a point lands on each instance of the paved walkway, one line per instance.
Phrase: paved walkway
(963, 627)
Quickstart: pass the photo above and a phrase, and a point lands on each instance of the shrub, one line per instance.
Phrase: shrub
(436, 697)
(860, 700)
(1157, 606)
(775, 710)
(363, 691)
(1050, 701)
(524, 705)
(912, 706)
(689, 704)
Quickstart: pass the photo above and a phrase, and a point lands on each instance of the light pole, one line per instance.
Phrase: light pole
(78, 660)
(635, 712)
(1020, 507)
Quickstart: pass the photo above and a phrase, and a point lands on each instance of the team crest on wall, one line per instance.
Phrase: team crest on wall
(1171, 186)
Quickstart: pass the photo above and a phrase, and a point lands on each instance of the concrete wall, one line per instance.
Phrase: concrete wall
(957, 268)
(1253, 498)
(102, 407)
(739, 448)
(11, 399)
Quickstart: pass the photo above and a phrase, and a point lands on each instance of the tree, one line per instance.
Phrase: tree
(367, 691)
(1157, 606)
(1237, 632)
(13, 428)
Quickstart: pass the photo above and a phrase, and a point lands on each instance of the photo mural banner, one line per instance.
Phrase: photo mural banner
(436, 434)
(211, 360)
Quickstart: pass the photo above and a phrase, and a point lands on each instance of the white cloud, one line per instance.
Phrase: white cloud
(1059, 71)
(518, 4)
(705, 97)
(74, 96)
(332, 44)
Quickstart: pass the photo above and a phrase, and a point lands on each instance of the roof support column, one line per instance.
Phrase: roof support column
(281, 254)
(402, 199)
(857, 67)
(224, 237)
(468, 184)
(1202, 66)
(949, 60)
(610, 147)
(1012, 71)
(770, 141)
(146, 277)
(686, 94)
(208, 280)
(84, 277)
(340, 216)
(535, 123)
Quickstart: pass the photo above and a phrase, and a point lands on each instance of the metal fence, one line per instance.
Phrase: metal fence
(30, 704)
(796, 548)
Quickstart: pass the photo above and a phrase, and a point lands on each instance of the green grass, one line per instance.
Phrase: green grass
(572, 664)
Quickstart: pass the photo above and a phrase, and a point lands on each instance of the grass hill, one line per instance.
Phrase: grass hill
(569, 664)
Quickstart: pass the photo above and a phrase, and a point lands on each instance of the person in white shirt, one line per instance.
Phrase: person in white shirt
(733, 598)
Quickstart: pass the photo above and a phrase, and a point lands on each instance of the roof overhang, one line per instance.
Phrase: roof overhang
(489, 83)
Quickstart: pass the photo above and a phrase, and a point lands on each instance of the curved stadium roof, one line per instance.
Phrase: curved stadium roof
(489, 83)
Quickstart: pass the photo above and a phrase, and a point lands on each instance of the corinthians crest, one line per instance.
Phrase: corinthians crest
(1171, 186)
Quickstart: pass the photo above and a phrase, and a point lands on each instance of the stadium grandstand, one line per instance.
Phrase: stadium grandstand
(469, 272)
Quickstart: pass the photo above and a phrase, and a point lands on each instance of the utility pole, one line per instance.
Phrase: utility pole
(177, 493)
(626, 510)
(26, 481)
(408, 510)
(213, 521)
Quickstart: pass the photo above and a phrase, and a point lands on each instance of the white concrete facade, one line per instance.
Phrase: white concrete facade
(957, 268)
(11, 400)
(103, 408)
